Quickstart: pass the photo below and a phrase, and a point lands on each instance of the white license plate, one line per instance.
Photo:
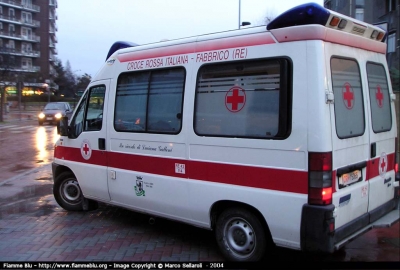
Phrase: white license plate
(49, 118)
(349, 178)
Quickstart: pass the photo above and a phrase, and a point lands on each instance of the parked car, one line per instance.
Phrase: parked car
(53, 111)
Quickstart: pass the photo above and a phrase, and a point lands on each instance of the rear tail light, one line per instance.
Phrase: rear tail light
(320, 178)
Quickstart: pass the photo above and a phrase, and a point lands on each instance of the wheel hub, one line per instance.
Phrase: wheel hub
(71, 190)
(240, 237)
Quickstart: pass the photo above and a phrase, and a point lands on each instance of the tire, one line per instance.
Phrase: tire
(67, 192)
(240, 235)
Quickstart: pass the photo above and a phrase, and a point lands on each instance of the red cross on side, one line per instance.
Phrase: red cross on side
(86, 149)
(348, 96)
(379, 96)
(383, 165)
(237, 99)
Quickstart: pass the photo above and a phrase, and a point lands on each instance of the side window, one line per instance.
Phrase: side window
(150, 101)
(94, 115)
(78, 120)
(89, 113)
(249, 99)
(379, 98)
(349, 104)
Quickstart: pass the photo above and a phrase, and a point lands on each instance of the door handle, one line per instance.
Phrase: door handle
(102, 144)
(373, 150)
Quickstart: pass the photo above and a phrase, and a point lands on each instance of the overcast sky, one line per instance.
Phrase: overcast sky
(87, 28)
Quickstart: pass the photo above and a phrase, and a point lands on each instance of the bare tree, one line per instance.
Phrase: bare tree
(6, 77)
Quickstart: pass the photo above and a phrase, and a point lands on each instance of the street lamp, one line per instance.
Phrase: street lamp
(242, 23)
(46, 86)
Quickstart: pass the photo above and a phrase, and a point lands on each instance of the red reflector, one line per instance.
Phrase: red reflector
(396, 168)
(331, 227)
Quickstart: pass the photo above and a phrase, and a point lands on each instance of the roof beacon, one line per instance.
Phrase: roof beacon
(119, 45)
(312, 13)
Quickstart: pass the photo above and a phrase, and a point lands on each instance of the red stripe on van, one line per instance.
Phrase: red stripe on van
(373, 166)
(201, 46)
(249, 176)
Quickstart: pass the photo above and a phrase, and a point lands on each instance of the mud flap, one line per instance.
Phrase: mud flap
(315, 228)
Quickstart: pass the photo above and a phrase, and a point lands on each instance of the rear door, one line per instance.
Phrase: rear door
(382, 132)
(350, 139)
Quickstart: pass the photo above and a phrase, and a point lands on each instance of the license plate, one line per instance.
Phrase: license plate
(350, 178)
(49, 118)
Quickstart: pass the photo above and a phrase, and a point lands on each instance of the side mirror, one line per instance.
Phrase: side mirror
(62, 126)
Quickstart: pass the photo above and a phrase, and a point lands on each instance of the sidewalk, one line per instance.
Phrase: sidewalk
(21, 115)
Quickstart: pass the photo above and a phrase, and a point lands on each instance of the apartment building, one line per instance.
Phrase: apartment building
(28, 45)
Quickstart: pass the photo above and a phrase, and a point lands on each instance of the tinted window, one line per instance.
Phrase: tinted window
(150, 101)
(379, 98)
(349, 105)
(243, 99)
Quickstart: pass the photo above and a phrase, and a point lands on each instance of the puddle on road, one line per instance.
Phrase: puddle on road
(32, 198)
(19, 167)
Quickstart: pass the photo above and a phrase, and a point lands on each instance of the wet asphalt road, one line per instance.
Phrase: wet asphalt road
(34, 228)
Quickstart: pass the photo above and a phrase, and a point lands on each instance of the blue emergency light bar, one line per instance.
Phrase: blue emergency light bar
(310, 13)
(313, 13)
(119, 45)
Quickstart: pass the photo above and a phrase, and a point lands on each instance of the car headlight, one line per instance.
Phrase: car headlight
(58, 115)
(41, 115)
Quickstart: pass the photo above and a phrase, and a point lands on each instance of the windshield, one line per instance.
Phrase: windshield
(54, 106)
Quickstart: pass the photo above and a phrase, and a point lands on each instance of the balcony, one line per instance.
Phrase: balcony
(23, 69)
(15, 20)
(53, 3)
(12, 35)
(17, 4)
(5, 50)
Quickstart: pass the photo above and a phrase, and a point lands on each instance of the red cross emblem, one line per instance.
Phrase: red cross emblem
(348, 96)
(379, 96)
(235, 99)
(86, 150)
(383, 164)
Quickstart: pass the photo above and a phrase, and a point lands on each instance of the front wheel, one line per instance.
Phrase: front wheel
(67, 192)
(240, 235)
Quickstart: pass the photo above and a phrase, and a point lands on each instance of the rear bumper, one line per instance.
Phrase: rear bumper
(315, 234)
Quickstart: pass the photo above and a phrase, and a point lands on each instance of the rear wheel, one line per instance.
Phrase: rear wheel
(240, 235)
(67, 192)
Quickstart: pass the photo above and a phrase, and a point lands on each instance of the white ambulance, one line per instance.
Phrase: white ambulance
(271, 136)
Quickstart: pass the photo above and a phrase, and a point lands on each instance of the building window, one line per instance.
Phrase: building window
(26, 63)
(360, 14)
(26, 32)
(1, 10)
(11, 13)
(11, 29)
(11, 44)
(26, 17)
(1, 26)
(391, 43)
(390, 5)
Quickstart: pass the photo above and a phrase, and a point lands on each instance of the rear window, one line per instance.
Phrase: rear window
(379, 98)
(349, 105)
